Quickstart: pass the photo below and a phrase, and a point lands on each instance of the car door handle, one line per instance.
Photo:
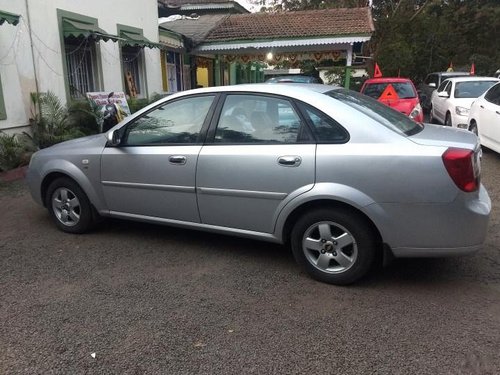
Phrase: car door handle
(289, 161)
(177, 159)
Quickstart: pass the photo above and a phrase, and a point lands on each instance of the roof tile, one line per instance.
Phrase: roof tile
(325, 22)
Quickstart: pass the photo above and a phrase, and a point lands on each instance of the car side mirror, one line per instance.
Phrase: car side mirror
(432, 84)
(114, 138)
(443, 94)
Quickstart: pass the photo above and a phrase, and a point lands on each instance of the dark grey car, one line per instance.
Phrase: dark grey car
(431, 83)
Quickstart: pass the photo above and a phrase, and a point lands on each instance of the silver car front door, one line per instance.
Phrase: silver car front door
(152, 172)
(261, 155)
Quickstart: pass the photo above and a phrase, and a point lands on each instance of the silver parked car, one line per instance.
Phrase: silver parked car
(337, 175)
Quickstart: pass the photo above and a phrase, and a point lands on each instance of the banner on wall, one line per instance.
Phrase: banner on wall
(101, 99)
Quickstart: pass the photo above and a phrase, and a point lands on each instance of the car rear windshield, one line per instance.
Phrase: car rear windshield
(472, 89)
(379, 112)
(403, 89)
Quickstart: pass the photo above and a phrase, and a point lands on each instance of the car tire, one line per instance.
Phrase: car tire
(447, 120)
(69, 206)
(335, 246)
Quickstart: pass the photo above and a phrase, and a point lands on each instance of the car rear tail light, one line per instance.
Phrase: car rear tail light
(463, 167)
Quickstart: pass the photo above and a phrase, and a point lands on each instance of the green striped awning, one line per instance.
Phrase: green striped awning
(78, 29)
(11, 18)
(136, 39)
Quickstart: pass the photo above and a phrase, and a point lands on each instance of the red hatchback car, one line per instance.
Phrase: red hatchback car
(398, 93)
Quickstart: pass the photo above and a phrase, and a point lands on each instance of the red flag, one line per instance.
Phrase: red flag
(473, 70)
(377, 73)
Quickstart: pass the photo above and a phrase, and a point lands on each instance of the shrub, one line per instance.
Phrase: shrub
(15, 151)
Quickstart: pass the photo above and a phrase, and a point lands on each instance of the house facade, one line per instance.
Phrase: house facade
(75, 47)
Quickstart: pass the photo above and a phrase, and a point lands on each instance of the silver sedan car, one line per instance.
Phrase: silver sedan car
(338, 176)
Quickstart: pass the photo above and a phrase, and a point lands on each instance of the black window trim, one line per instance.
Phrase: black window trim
(312, 128)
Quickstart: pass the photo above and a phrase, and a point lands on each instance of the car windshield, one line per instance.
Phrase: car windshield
(472, 89)
(403, 89)
(379, 112)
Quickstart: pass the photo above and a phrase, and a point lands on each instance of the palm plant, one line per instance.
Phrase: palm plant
(14, 151)
(50, 121)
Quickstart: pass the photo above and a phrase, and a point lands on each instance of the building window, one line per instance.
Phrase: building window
(172, 71)
(80, 37)
(133, 62)
(81, 64)
(133, 69)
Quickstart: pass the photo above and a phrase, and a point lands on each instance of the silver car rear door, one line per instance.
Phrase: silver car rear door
(261, 154)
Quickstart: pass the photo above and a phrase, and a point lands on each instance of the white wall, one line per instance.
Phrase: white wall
(16, 68)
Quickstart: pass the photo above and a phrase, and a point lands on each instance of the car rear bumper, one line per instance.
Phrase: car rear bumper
(436, 230)
(408, 252)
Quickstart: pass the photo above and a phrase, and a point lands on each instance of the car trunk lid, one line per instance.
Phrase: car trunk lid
(437, 135)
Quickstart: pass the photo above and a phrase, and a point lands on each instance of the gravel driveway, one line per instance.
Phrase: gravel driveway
(151, 299)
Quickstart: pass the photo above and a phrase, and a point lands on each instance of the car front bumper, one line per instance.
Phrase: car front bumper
(459, 121)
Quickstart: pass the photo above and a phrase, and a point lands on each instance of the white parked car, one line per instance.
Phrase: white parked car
(451, 102)
(484, 118)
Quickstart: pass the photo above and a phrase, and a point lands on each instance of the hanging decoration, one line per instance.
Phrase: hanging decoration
(202, 62)
(292, 58)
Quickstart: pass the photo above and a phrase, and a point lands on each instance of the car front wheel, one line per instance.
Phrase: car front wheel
(69, 206)
(333, 246)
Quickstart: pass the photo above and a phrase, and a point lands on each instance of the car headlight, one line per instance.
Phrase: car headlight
(462, 111)
(416, 111)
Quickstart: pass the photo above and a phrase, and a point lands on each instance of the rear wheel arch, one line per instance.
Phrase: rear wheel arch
(322, 204)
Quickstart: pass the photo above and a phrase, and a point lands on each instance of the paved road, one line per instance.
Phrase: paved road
(150, 299)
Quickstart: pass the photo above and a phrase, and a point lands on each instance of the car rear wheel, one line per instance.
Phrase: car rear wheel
(333, 246)
(69, 206)
(447, 119)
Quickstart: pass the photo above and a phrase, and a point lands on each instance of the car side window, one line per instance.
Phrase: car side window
(442, 86)
(258, 119)
(175, 122)
(326, 129)
(493, 96)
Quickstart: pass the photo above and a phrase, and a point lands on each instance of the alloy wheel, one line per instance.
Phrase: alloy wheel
(330, 247)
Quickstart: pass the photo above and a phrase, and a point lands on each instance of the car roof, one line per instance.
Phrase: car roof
(444, 74)
(387, 79)
(472, 78)
(271, 88)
